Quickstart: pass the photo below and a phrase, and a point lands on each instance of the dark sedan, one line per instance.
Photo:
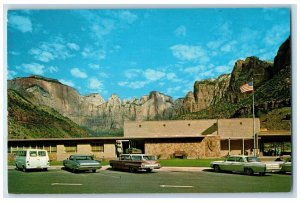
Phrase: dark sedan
(81, 163)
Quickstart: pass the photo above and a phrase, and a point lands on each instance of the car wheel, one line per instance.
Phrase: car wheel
(217, 168)
(148, 170)
(74, 170)
(249, 171)
(17, 168)
(45, 169)
(262, 173)
(132, 170)
(94, 170)
(24, 169)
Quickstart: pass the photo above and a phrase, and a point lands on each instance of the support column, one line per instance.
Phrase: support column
(228, 145)
(243, 146)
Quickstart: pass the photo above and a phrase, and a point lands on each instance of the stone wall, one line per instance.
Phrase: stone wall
(194, 147)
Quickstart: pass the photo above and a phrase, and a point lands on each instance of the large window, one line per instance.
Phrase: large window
(70, 147)
(97, 147)
(50, 148)
(276, 148)
(46, 146)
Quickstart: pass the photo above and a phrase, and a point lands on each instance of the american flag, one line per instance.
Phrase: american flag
(247, 87)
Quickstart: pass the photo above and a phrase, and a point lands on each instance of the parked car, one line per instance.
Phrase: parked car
(245, 164)
(81, 163)
(135, 162)
(32, 159)
(133, 151)
(286, 166)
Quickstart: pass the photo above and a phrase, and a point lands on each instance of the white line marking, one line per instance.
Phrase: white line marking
(109, 175)
(67, 184)
(163, 185)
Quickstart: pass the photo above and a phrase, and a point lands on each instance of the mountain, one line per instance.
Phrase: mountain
(26, 120)
(272, 85)
(212, 98)
(91, 111)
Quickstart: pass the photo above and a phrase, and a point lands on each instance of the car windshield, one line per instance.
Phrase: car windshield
(136, 158)
(149, 158)
(84, 158)
(252, 159)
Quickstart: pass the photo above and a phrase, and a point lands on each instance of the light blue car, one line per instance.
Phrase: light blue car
(81, 163)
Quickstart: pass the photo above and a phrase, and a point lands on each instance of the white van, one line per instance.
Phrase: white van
(32, 159)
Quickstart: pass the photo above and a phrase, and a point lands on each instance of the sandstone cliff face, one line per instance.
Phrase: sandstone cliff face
(92, 111)
(244, 71)
(205, 94)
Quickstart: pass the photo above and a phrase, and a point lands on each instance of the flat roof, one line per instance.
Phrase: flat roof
(275, 133)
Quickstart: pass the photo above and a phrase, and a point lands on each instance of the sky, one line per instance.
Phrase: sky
(130, 52)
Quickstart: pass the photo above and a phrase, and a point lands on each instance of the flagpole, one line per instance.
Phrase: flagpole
(254, 136)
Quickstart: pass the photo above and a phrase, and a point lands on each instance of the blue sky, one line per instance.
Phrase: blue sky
(134, 51)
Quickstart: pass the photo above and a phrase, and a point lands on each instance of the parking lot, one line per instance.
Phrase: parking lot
(58, 181)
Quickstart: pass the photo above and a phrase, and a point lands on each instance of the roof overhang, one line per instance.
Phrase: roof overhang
(103, 138)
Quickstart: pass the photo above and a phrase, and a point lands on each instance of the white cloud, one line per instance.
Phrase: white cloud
(33, 68)
(134, 84)
(128, 16)
(95, 84)
(229, 47)
(103, 75)
(20, 23)
(73, 46)
(173, 90)
(193, 70)
(11, 74)
(91, 53)
(55, 49)
(132, 73)
(43, 56)
(214, 44)
(67, 82)
(76, 72)
(223, 69)
(171, 76)
(276, 34)
(189, 53)
(14, 53)
(102, 28)
(180, 31)
(94, 66)
(153, 75)
(53, 69)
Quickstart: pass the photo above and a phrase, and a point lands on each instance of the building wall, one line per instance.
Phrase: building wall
(194, 147)
(85, 148)
(178, 128)
(240, 127)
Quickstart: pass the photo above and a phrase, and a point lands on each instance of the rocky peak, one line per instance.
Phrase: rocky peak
(94, 98)
(283, 57)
